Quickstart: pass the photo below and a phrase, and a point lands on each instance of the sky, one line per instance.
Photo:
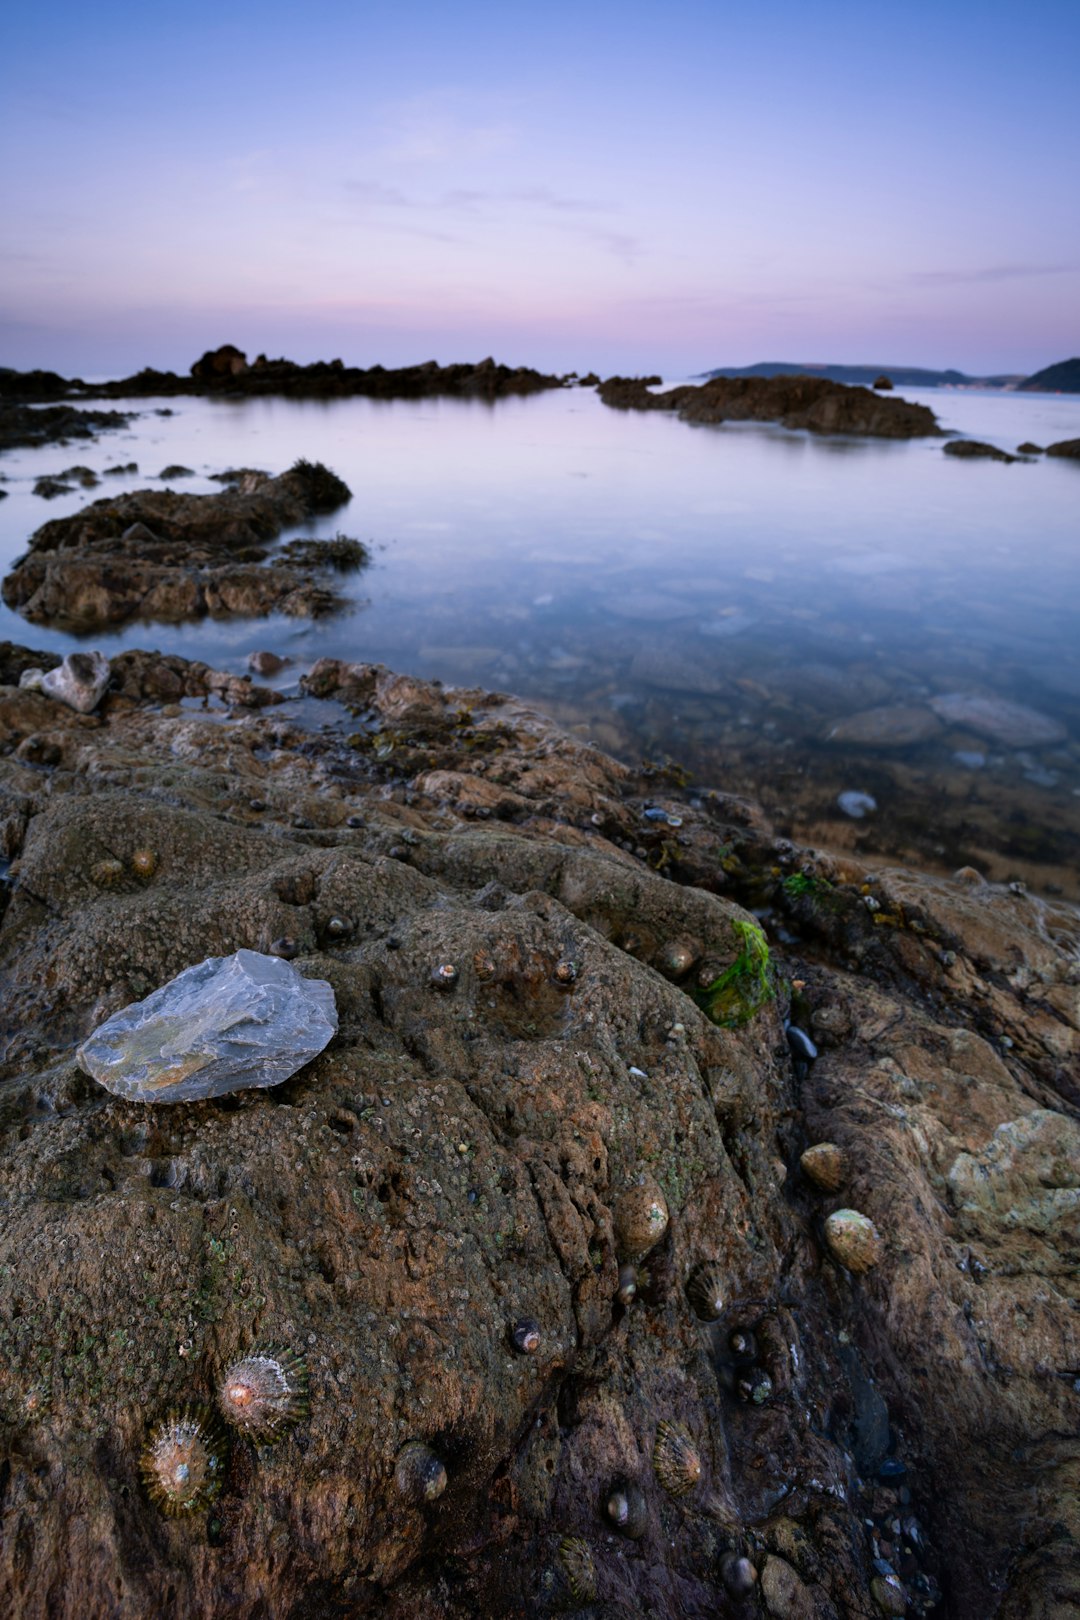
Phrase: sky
(611, 186)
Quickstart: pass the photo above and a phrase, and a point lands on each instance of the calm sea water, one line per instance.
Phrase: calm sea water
(721, 597)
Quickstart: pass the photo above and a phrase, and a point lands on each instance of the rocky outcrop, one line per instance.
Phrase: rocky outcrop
(976, 450)
(458, 1160)
(812, 403)
(1069, 448)
(160, 555)
(227, 370)
(55, 424)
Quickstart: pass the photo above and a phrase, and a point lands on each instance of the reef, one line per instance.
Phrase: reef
(22, 425)
(157, 554)
(813, 403)
(432, 1216)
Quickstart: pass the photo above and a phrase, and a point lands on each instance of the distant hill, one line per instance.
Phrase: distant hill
(904, 376)
(1064, 378)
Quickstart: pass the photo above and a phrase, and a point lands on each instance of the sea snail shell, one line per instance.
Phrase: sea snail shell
(183, 1462)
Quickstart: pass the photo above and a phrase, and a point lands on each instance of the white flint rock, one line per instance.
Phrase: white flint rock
(79, 681)
(227, 1024)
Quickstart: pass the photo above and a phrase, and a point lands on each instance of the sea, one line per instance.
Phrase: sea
(876, 642)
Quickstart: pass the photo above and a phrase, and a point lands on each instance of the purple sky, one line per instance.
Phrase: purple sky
(623, 187)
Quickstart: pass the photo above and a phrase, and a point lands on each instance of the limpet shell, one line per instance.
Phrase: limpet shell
(576, 1567)
(825, 1165)
(107, 874)
(854, 1240)
(640, 1218)
(419, 1475)
(265, 1391)
(144, 863)
(707, 1291)
(183, 1462)
(676, 1462)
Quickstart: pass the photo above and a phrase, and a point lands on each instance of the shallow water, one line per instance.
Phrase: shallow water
(723, 597)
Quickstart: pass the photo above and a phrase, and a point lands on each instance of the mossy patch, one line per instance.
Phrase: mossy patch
(746, 985)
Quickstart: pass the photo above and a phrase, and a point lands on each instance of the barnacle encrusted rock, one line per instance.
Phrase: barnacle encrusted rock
(226, 1024)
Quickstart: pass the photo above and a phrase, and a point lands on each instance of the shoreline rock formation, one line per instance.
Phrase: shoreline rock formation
(156, 554)
(519, 947)
(814, 403)
(226, 370)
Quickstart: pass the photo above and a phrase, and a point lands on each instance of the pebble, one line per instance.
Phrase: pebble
(856, 804)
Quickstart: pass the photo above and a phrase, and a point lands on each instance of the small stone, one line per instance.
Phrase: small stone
(888, 1594)
(226, 1024)
(286, 947)
(79, 681)
(800, 1045)
(855, 804)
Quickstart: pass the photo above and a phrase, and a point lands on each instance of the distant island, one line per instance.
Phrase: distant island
(867, 376)
(1064, 378)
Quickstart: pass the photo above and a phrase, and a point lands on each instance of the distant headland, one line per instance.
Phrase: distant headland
(1063, 378)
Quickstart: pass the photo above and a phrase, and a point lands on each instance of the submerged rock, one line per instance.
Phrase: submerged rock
(975, 450)
(894, 725)
(228, 1024)
(1013, 724)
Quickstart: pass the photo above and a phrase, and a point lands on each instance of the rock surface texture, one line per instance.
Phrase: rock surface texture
(155, 554)
(521, 1045)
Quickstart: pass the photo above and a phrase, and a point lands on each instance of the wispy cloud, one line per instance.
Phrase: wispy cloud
(580, 217)
(987, 273)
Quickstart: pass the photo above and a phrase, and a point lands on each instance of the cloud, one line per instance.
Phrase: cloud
(987, 273)
(377, 195)
(465, 204)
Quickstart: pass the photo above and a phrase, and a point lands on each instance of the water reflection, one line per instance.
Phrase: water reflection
(722, 596)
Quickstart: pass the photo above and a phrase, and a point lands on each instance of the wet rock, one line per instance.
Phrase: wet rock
(1012, 724)
(1069, 448)
(50, 488)
(162, 555)
(267, 663)
(451, 1164)
(786, 1596)
(227, 1024)
(33, 425)
(175, 470)
(814, 403)
(975, 450)
(895, 725)
(1028, 449)
(79, 681)
(883, 383)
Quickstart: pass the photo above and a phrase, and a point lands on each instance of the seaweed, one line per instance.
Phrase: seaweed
(746, 985)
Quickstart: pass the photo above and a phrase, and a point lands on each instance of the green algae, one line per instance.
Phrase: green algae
(744, 987)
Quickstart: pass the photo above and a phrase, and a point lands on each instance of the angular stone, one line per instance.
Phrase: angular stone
(227, 1024)
(79, 681)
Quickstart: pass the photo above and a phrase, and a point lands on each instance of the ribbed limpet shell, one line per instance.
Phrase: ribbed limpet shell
(707, 1292)
(183, 1462)
(265, 1391)
(825, 1165)
(854, 1240)
(676, 1461)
